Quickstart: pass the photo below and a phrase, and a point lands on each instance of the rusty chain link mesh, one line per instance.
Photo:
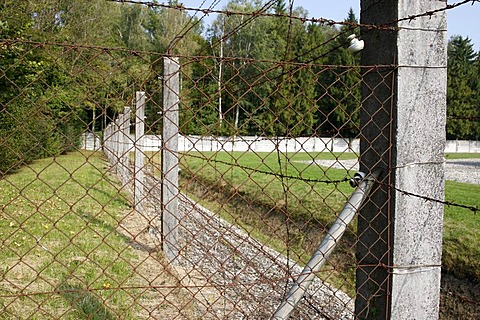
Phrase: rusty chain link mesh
(259, 185)
(264, 165)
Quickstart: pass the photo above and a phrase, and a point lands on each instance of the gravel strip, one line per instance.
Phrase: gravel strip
(230, 275)
(246, 279)
(463, 170)
(249, 279)
(233, 276)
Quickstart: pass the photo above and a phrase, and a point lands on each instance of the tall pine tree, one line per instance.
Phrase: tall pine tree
(462, 90)
(338, 88)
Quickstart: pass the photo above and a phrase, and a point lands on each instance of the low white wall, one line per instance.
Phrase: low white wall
(262, 144)
(91, 141)
(462, 146)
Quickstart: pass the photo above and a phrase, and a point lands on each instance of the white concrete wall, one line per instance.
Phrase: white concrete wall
(462, 146)
(91, 142)
(262, 144)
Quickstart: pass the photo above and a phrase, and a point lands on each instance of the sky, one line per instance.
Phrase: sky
(463, 20)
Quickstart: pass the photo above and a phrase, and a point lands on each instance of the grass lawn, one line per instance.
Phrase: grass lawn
(63, 252)
(289, 215)
(65, 246)
(452, 156)
(461, 236)
(237, 185)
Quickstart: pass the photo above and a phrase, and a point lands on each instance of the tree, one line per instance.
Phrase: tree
(338, 89)
(26, 130)
(130, 28)
(293, 104)
(47, 98)
(258, 93)
(462, 90)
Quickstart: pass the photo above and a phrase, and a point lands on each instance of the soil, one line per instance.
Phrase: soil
(459, 299)
(163, 297)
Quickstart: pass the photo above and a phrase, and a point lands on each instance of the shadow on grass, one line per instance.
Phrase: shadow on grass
(87, 305)
(128, 238)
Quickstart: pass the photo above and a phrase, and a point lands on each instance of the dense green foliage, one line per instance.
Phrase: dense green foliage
(258, 75)
(245, 90)
(463, 93)
(45, 96)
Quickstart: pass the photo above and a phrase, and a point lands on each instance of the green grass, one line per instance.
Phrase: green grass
(257, 202)
(63, 257)
(451, 156)
(247, 175)
(62, 253)
(461, 236)
(267, 207)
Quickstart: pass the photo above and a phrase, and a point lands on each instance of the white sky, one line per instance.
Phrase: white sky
(463, 20)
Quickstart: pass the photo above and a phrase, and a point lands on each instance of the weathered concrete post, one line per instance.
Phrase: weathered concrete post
(124, 147)
(170, 191)
(139, 174)
(403, 123)
(116, 134)
(120, 142)
(126, 142)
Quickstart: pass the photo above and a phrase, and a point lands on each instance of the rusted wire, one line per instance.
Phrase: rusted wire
(270, 173)
(262, 13)
(474, 209)
(228, 224)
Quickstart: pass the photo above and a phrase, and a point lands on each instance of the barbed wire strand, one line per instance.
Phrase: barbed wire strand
(346, 179)
(263, 12)
(279, 175)
(189, 25)
(432, 12)
(257, 13)
(324, 21)
(474, 209)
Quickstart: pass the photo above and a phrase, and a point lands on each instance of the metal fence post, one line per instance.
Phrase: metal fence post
(139, 174)
(326, 247)
(170, 135)
(402, 123)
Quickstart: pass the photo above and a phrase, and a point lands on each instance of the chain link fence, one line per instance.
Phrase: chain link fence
(270, 200)
(136, 185)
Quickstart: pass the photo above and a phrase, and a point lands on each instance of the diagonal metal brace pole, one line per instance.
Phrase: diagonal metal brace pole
(297, 291)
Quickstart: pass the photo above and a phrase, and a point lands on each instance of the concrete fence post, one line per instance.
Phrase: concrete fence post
(170, 191)
(403, 133)
(120, 149)
(126, 144)
(115, 140)
(139, 173)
